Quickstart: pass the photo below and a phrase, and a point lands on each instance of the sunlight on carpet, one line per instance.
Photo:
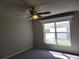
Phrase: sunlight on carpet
(63, 55)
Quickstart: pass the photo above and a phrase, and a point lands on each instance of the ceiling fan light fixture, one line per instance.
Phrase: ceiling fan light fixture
(34, 17)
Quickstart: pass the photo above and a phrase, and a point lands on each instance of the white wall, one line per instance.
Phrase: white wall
(16, 32)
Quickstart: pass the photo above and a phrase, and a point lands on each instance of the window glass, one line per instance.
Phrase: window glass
(49, 27)
(63, 26)
(63, 39)
(50, 38)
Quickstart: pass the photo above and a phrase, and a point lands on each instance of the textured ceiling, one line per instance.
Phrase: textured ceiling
(23, 3)
(55, 6)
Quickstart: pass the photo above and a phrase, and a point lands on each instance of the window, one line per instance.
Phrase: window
(57, 33)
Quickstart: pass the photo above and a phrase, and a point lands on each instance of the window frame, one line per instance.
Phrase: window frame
(57, 32)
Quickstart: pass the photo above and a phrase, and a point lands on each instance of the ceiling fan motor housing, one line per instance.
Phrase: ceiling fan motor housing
(32, 11)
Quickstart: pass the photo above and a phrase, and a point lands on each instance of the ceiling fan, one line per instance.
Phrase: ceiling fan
(34, 15)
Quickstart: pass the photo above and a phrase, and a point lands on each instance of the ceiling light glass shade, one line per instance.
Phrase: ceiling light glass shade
(34, 17)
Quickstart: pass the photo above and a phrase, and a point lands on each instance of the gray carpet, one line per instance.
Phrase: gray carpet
(35, 54)
(42, 54)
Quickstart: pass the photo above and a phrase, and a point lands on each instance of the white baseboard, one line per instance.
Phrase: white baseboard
(16, 53)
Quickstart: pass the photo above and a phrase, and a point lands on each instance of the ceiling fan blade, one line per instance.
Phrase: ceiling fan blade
(27, 18)
(44, 13)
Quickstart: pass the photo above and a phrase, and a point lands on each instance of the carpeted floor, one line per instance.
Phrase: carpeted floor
(41, 54)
